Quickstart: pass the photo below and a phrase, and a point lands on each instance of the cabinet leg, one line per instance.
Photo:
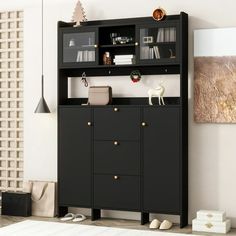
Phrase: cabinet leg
(95, 214)
(183, 220)
(144, 218)
(62, 211)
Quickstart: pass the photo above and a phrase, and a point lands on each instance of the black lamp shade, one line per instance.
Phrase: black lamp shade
(42, 106)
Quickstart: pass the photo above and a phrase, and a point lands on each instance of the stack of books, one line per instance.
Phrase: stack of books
(124, 59)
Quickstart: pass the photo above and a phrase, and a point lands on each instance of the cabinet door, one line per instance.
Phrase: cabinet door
(74, 157)
(161, 160)
(158, 43)
(78, 47)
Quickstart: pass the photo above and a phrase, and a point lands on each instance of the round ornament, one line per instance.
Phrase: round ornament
(159, 14)
(135, 76)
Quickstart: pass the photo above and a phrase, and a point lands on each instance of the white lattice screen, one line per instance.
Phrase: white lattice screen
(11, 100)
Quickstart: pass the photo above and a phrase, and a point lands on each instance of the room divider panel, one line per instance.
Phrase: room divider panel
(11, 100)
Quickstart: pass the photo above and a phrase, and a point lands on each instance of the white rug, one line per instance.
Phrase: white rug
(42, 228)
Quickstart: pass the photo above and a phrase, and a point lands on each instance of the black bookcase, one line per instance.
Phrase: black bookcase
(128, 155)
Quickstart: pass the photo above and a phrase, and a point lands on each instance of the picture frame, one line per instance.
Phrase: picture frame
(148, 39)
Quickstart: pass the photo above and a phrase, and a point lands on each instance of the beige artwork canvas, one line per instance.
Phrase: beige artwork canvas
(215, 76)
(215, 89)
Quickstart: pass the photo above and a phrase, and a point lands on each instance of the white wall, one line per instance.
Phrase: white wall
(212, 148)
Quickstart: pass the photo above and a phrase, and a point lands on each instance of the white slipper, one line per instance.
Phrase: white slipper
(155, 224)
(68, 216)
(166, 224)
(79, 218)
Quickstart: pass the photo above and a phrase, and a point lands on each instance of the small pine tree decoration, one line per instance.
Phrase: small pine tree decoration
(79, 14)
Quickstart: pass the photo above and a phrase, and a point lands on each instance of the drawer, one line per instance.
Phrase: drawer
(117, 157)
(117, 123)
(121, 193)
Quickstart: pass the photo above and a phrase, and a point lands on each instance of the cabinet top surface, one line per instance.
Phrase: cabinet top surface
(122, 21)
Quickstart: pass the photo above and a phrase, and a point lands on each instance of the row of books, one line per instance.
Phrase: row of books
(85, 56)
(124, 59)
(149, 53)
(166, 35)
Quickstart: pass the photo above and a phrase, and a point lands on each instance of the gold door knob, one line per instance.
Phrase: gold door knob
(144, 124)
(95, 45)
(209, 225)
(116, 177)
(116, 143)
(136, 44)
(116, 109)
(89, 123)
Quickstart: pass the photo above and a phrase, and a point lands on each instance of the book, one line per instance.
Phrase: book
(172, 34)
(144, 53)
(124, 56)
(124, 63)
(167, 35)
(160, 35)
(156, 52)
(123, 60)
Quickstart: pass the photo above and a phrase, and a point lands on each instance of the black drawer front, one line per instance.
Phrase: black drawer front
(121, 194)
(117, 157)
(117, 123)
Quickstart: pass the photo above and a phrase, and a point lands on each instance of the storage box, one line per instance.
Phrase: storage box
(210, 226)
(16, 204)
(218, 216)
(100, 95)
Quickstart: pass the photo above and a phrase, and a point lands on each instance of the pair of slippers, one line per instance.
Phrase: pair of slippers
(73, 217)
(156, 224)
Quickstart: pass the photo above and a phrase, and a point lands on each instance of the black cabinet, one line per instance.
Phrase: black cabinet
(117, 192)
(129, 43)
(74, 157)
(127, 155)
(161, 160)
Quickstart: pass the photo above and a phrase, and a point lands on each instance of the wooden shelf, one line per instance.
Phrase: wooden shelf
(117, 45)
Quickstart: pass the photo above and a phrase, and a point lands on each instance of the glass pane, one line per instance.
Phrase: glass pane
(157, 43)
(79, 47)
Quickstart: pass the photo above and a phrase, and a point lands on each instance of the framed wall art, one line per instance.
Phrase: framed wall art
(215, 75)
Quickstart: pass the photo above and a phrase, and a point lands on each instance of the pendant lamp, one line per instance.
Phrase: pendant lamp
(42, 105)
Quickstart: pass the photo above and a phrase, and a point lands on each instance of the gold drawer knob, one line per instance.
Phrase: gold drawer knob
(95, 45)
(116, 177)
(116, 143)
(144, 124)
(136, 44)
(209, 225)
(116, 109)
(89, 123)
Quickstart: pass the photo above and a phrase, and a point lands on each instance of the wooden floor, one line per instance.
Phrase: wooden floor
(126, 224)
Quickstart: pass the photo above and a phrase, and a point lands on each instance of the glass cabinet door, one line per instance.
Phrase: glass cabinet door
(157, 44)
(79, 47)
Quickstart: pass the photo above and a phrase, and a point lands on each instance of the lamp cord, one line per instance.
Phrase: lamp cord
(42, 51)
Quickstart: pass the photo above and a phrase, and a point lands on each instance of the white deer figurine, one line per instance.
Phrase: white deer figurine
(157, 92)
